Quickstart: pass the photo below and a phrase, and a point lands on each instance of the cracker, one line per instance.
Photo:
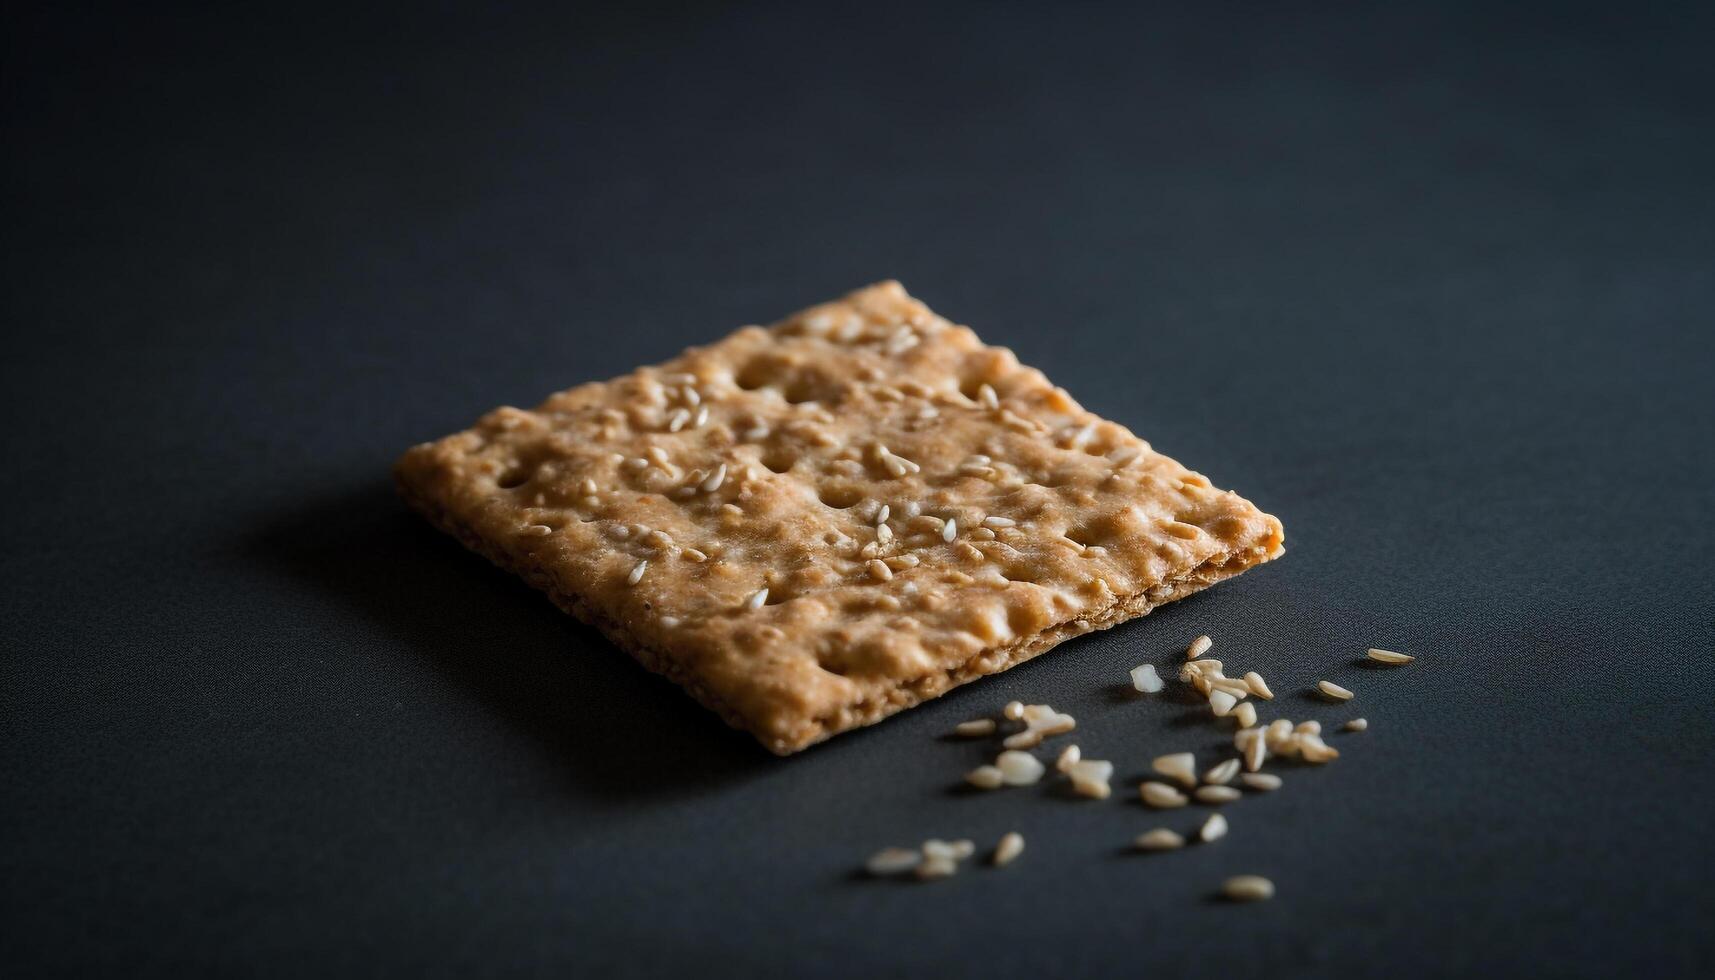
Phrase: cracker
(720, 516)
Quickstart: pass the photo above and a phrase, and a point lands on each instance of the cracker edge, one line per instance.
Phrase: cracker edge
(1216, 569)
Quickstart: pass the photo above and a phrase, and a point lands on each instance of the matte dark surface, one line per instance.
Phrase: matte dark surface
(1433, 285)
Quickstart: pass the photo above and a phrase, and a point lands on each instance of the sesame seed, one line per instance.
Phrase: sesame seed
(1181, 766)
(587, 487)
(1256, 750)
(756, 599)
(701, 417)
(1222, 702)
(677, 420)
(986, 396)
(883, 514)
(994, 522)
(949, 530)
(1145, 679)
(1222, 773)
(694, 555)
(892, 861)
(985, 777)
(1090, 778)
(1216, 795)
(1013, 711)
(1278, 732)
(636, 463)
(1247, 888)
(883, 534)
(1159, 839)
(538, 530)
(1161, 796)
(879, 571)
(715, 480)
(637, 571)
(658, 456)
(1069, 757)
(937, 867)
(1258, 686)
(1390, 658)
(1313, 749)
(1334, 691)
(976, 726)
(1265, 781)
(1357, 725)
(1215, 827)
(1198, 647)
(1019, 768)
(690, 396)
(1246, 714)
(1008, 850)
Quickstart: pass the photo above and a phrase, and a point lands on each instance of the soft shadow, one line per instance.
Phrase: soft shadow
(604, 719)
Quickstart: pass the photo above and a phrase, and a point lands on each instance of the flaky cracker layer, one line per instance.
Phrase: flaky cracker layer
(813, 526)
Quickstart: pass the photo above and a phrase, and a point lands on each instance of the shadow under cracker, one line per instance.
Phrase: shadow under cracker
(594, 711)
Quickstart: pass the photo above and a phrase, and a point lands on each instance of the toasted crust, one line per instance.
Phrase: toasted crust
(819, 421)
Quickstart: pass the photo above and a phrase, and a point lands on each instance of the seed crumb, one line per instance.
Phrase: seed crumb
(1333, 691)
(1008, 850)
(1214, 828)
(1159, 839)
(1248, 888)
(1162, 796)
(1145, 679)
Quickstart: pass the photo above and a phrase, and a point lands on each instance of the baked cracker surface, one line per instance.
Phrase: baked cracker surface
(920, 508)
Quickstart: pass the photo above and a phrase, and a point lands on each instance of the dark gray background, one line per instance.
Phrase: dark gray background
(1433, 284)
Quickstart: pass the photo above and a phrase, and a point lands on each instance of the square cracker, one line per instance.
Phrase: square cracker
(750, 475)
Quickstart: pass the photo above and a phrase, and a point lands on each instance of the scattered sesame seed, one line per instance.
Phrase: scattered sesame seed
(1312, 727)
(879, 571)
(1222, 773)
(756, 599)
(1216, 795)
(1334, 691)
(1258, 686)
(949, 530)
(1265, 781)
(1145, 679)
(1019, 768)
(892, 861)
(1246, 714)
(1312, 749)
(1357, 725)
(1222, 703)
(637, 571)
(1215, 827)
(974, 727)
(1181, 766)
(937, 867)
(1248, 888)
(985, 777)
(1390, 658)
(1198, 647)
(1159, 839)
(1161, 796)
(1069, 757)
(1008, 850)
(1013, 711)
(1090, 778)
